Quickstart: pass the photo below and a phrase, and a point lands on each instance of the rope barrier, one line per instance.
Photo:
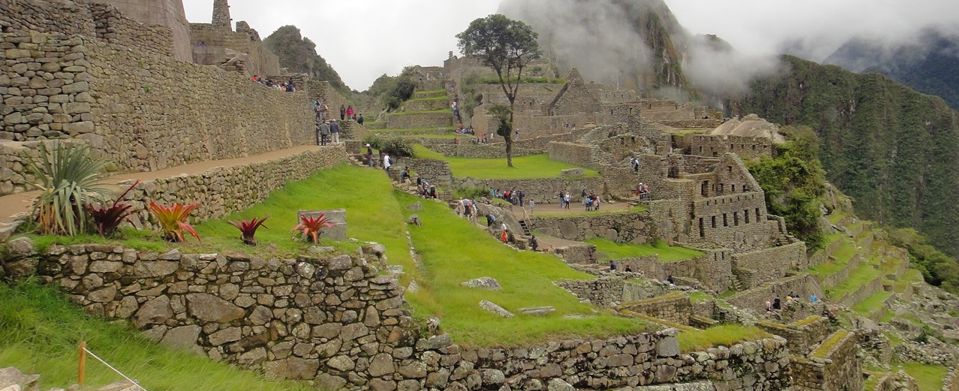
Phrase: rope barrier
(83, 347)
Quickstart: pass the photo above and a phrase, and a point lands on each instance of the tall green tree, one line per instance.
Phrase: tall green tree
(507, 46)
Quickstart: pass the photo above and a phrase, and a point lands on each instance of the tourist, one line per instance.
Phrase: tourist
(533, 243)
(777, 304)
(635, 162)
(360, 120)
(349, 112)
(335, 130)
(531, 204)
(290, 87)
(769, 306)
(567, 199)
(562, 200)
(612, 266)
(405, 175)
(490, 220)
(342, 113)
(387, 162)
(595, 202)
(369, 156)
(323, 133)
(433, 193)
(522, 197)
(455, 107)
(504, 233)
(813, 298)
(415, 220)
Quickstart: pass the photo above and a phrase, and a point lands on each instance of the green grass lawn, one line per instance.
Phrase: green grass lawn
(40, 331)
(724, 335)
(400, 113)
(862, 275)
(928, 377)
(524, 167)
(454, 251)
(872, 303)
(842, 257)
(610, 250)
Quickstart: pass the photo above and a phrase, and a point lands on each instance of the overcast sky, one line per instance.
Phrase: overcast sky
(362, 39)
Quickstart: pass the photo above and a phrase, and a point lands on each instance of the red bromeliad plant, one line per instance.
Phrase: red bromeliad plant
(248, 229)
(311, 227)
(174, 220)
(108, 218)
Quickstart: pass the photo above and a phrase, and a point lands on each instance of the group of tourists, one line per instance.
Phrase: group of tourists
(466, 208)
(565, 199)
(347, 113)
(513, 196)
(590, 201)
(425, 189)
(777, 304)
(327, 132)
(287, 86)
(642, 190)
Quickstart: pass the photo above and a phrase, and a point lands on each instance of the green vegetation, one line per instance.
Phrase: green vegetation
(928, 377)
(438, 130)
(392, 91)
(610, 250)
(828, 344)
(699, 297)
(442, 111)
(394, 146)
(724, 335)
(68, 178)
(429, 94)
(298, 54)
(872, 304)
(858, 278)
(794, 181)
(937, 268)
(841, 258)
(895, 151)
(40, 330)
(453, 251)
(525, 167)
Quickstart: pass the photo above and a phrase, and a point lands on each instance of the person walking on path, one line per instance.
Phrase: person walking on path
(335, 130)
(349, 112)
(342, 113)
(323, 134)
(360, 120)
(387, 162)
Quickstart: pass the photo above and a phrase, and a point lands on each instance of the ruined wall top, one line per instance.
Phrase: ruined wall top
(221, 15)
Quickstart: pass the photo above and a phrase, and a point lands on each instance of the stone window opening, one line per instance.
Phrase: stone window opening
(725, 220)
(700, 149)
(746, 215)
(702, 229)
(759, 217)
(732, 188)
(714, 221)
(736, 219)
(705, 189)
(729, 168)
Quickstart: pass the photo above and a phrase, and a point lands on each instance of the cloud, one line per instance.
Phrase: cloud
(361, 39)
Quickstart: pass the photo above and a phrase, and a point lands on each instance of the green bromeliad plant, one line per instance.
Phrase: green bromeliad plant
(68, 178)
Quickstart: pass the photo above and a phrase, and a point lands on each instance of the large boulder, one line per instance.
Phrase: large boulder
(483, 283)
(209, 308)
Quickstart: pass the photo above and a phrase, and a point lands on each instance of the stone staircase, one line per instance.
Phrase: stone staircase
(527, 227)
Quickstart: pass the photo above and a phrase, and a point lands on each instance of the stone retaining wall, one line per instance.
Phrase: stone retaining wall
(674, 307)
(772, 263)
(951, 382)
(543, 191)
(620, 228)
(713, 270)
(337, 321)
(221, 191)
(425, 119)
(842, 275)
(800, 336)
(840, 369)
(755, 299)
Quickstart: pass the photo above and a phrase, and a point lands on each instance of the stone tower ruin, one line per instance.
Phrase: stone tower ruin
(221, 15)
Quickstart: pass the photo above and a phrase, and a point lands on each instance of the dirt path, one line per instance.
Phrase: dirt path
(15, 204)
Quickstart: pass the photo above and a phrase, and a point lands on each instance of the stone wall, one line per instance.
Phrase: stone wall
(771, 263)
(337, 321)
(801, 336)
(213, 45)
(481, 151)
(715, 146)
(836, 369)
(167, 13)
(583, 155)
(602, 292)
(713, 270)
(673, 307)
(116, 29)
(221, 191)
(437, 172)
(542, 191)
(755, 299)
(439, 119)
(951, 382)
(155, 112)
(620, 228)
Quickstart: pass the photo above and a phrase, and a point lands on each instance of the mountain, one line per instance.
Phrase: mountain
(298, 54)
(929, 64)
(894, 150)
(637, 44)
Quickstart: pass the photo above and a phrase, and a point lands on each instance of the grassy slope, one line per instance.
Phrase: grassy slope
(454, 251)
(524, 167)
(40, 330)
(612, 250)
(724, 335)
(928, 377)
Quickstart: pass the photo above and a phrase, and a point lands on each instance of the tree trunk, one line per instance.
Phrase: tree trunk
(508, 138)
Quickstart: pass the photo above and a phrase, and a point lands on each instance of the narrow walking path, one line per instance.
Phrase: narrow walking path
(13, 205)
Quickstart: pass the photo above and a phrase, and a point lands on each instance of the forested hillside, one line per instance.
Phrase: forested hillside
(894, 150)
(298, 54)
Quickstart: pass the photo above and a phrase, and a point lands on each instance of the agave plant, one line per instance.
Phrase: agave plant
(248, 229)
(174, 220)
(106, 219)
(68, 177)
(311, 226)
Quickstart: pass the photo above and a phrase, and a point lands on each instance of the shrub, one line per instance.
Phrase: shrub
(311, 227)
(106, 219)
(174, 220)
(470, 192)
(393, 146)
(248, 229)
(68, 178)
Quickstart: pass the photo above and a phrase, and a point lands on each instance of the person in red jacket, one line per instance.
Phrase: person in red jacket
(349, 112)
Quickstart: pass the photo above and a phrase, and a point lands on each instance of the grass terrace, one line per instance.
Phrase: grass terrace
(400, 113)
(454, 251)
(862, 275)
(724, 335)
(404, 131)
(610, 250)
(841, 258)
(928, 377)
(40, 330)
(872, 304)
(525, 167)
(827, 345)
(422, 94)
